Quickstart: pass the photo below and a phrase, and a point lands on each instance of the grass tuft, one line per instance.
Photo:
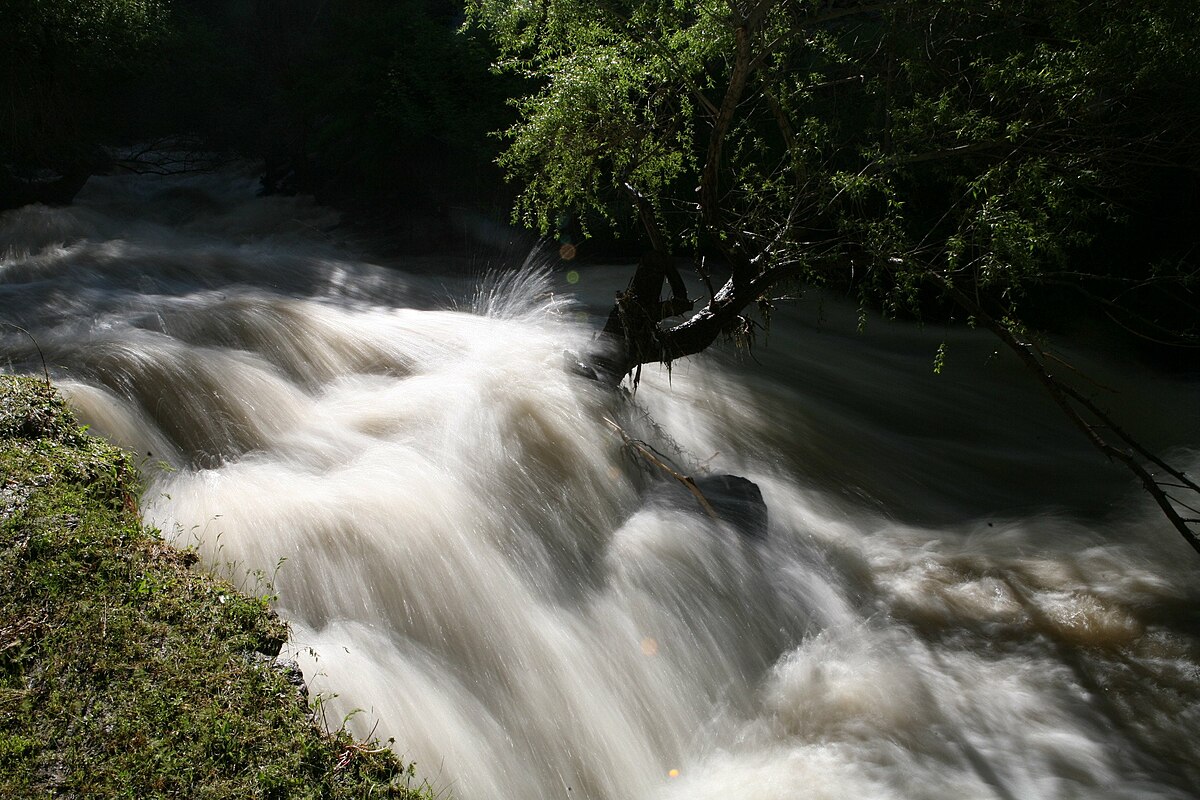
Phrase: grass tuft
(124, 673)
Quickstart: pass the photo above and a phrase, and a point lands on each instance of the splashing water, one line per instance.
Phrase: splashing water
(954, 598)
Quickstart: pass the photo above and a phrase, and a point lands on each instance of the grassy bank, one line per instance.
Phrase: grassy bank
(124, 671)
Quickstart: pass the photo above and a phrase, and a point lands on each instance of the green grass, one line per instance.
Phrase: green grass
(124, 671)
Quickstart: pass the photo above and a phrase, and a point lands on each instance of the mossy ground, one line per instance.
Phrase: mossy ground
(124, 671)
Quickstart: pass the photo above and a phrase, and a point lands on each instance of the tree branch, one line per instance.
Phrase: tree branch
(1063, 396)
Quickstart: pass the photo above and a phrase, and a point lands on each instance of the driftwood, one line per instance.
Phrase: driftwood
(647, 453)
(728, 498)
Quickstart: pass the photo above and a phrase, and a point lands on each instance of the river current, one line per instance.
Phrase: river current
(953, 596)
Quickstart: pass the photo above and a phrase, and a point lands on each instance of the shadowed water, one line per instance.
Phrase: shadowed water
(955, 597)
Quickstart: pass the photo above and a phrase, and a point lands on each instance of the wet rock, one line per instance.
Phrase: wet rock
(735, 500)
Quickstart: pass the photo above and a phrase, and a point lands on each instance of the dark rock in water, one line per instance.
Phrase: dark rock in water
(736, 501)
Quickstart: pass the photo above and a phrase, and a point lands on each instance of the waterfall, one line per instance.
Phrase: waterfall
(954, 597)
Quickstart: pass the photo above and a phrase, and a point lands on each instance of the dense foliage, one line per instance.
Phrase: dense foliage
(963, 155)
(390, 101)
(62, 63)
(894, 147)
(359, 101)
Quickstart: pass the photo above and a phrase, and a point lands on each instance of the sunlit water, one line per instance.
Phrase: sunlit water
(955, 597)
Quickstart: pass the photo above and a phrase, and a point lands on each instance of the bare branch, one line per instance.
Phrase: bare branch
(1063, 396)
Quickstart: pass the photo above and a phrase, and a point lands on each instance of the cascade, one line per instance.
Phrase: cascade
(950, 595)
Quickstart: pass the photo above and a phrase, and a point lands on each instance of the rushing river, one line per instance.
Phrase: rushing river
(954, 596)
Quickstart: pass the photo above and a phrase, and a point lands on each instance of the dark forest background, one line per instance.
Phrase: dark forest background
(389, 110)
(377, 106)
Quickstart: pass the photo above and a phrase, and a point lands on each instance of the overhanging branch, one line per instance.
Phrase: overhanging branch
(1071, 402)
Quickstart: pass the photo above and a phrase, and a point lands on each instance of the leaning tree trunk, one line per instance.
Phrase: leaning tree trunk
(632, 329)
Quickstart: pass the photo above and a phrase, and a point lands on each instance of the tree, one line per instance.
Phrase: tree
(61, 65)
(388, 105)
(956, 157)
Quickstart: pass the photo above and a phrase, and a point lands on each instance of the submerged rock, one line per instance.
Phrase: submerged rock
(735, 500)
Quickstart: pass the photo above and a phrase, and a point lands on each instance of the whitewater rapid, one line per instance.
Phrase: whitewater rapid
(955, 598)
